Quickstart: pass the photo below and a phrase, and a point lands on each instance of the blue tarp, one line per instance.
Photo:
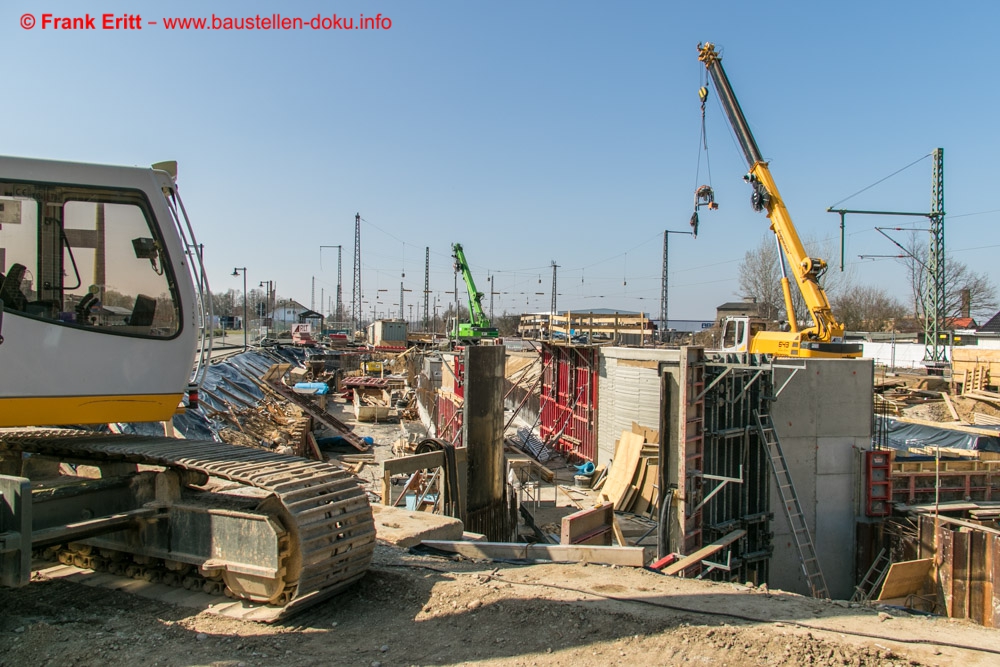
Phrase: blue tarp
(903, 435)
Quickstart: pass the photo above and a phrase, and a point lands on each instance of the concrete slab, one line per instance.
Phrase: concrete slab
(404, 528)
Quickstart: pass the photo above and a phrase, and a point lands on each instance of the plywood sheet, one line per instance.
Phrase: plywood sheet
(623, 468)
(906, 578)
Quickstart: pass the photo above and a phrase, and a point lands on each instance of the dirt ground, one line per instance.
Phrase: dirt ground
(427, 610)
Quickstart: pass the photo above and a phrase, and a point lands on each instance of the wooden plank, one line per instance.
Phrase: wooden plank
(588, 526)
(647, 492)
(951, 406)
(314, 446)
(626, 498)
(408, 464)
(639, 504)
(518, 454)
(619, 536)
(623, 467)
(565, 491)
(533, 466)
(704, 552)
(968, 524)
(651, 435)
(558, 553)
(906, 578)
(640, 479)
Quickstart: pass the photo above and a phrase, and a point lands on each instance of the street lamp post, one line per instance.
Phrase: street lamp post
(267, 304)
(236, 272)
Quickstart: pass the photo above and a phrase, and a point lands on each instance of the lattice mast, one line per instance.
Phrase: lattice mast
(356, 295)
(935, 298)
(427, 287)
(663, 290)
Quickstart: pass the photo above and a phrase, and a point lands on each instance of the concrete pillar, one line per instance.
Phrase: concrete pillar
(482, 433)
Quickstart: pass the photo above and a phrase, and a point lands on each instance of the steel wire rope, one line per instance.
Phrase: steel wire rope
(701, 612)
(881, 180)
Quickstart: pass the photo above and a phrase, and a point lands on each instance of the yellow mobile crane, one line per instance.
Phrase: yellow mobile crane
(825, 338)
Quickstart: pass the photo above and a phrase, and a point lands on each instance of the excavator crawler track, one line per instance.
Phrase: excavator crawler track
(325, 523)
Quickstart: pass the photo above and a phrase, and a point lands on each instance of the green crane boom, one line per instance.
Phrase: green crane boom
(478, 326)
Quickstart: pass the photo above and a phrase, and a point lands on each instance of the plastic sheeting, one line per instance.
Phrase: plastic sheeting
(903, 435)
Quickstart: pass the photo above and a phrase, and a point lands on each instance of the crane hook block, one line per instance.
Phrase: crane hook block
(703, 94)
(705, 196)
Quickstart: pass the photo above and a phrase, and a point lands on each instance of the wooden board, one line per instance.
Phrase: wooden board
(651, 435)
(623, 467)
(558, 553)
(588, 526)
(906, 578)
(951, 406)
(704, 552)
(640, 480)
(647, 492)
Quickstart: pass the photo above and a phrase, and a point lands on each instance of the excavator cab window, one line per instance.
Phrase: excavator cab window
(91, 257)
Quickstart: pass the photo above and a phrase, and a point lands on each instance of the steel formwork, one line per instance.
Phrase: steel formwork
(733, 451)
(449, 419)
(568, 398)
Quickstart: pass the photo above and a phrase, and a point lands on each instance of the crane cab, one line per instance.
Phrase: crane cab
(100, 316)
(738, 332)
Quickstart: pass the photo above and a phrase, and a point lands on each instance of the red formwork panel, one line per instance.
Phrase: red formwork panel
(449, 420)
(568, 399)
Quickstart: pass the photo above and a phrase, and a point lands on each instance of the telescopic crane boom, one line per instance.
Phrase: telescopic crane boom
(825, 338)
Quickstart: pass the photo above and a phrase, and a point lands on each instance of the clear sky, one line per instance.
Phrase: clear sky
(527, 131)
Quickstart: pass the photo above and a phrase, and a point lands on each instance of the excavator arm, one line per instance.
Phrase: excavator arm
(825, 337)
(476, 313)
(478, 326)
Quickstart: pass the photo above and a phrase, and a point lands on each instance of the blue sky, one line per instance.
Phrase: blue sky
(529, 132)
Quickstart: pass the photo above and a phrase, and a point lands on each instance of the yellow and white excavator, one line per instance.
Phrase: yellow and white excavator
(825, 338)
(103, 318)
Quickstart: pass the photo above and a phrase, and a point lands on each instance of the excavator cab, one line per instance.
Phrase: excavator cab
(97, 293)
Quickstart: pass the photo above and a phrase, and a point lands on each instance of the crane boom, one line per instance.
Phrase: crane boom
(825, 338)
(478, 326)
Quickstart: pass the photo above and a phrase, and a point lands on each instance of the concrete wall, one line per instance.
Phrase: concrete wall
(823, 420)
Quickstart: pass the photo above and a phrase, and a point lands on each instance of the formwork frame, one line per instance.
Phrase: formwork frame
(727, 476)
(568, 400)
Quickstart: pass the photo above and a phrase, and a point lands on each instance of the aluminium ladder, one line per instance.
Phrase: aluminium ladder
(797, 521)
(872, 583)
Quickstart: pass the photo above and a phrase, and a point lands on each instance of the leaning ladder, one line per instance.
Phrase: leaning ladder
(869, 586)
(803, 539)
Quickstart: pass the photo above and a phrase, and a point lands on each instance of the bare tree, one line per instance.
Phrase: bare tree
(867, 308)
(959, 279)
(507, 323)
(224, 303)
(760, 278)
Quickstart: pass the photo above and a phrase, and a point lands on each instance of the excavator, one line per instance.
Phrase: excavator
(825, 338)
(104, 318)
(478, 327)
